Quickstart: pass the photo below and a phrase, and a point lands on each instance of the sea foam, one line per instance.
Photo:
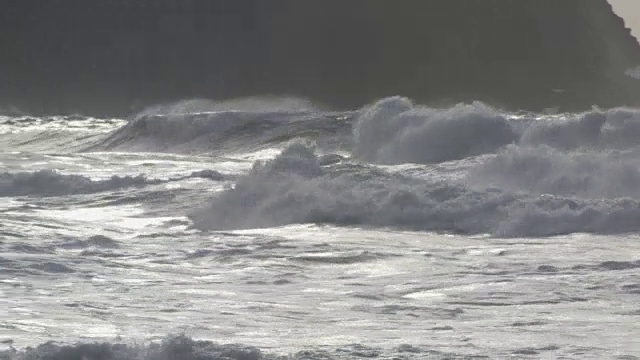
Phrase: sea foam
(295, 188)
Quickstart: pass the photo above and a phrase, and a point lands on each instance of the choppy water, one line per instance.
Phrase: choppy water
(395, 231)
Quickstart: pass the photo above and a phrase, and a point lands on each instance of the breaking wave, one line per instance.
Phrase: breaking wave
(394, 131)
(544, 170)
(597, 129)
(225, 131)
(174, 347)
(255, 104)
(242, 124)
(295, 188)
(52, 183)
(185, 348)
(390, 131)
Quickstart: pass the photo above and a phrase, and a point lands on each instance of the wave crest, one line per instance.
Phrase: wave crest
(394, 131)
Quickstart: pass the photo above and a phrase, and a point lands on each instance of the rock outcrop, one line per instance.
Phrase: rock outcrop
(110, 57)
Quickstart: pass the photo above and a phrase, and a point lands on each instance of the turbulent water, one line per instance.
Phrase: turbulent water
(268, 229)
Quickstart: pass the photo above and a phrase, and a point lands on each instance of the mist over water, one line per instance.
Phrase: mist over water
(634, 73)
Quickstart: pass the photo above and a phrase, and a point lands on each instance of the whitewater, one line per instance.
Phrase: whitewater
(266, 228)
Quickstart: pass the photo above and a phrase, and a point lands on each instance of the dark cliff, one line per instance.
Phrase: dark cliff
(113, 56)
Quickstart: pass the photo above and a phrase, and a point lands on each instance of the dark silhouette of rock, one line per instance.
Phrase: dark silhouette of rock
(111, 57)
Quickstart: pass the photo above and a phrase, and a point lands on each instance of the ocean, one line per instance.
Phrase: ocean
(271, 228)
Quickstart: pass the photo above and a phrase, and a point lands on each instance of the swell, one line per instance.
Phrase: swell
(217, 131)
(390, 131)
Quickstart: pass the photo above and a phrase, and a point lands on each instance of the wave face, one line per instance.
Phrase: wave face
(217, 127)
(531, 54)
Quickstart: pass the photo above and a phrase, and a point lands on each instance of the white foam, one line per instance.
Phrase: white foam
(295, 189)
(545, 170)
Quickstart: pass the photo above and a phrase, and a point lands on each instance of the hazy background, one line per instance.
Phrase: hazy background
(630, 11)
(113, 58)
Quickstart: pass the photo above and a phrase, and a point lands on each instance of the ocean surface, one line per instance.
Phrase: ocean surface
(274, 229)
